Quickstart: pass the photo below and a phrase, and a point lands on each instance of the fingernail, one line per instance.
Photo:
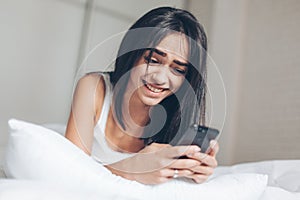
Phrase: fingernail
(197, 149)
(213, 142)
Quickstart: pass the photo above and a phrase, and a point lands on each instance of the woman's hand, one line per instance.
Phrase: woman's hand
(157, 163)
(208, 163)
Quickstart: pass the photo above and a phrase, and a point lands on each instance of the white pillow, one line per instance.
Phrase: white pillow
(37, 153)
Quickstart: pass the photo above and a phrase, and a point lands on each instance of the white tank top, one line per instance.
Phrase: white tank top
(101, 152)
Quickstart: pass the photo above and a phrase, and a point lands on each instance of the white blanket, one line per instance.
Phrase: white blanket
(283, 177)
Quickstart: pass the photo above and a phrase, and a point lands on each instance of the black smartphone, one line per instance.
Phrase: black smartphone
(199, 135)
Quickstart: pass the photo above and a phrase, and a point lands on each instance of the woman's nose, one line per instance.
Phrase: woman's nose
(160, 77)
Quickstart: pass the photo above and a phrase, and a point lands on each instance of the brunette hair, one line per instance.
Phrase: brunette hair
(185, 107)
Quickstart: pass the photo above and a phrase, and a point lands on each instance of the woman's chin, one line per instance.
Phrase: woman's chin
(151, 102)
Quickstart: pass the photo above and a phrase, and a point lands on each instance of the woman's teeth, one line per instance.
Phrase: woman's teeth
(153, 89)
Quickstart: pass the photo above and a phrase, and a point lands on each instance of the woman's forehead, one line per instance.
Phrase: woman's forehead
(175, 44)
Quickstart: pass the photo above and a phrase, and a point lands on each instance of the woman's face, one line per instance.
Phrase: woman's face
(168, 65)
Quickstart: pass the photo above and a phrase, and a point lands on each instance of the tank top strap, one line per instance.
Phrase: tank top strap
(106, 103)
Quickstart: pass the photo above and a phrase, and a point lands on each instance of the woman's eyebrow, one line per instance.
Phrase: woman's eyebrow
(181, 63)
(165, 54)
(160, 52)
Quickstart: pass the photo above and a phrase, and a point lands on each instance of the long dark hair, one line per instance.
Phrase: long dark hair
(185, 107)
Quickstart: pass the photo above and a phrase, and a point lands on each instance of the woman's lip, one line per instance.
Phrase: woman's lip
(155, 90)
(153, 94)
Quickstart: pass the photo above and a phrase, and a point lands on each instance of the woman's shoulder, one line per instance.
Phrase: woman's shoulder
(92, 79)
(95, 83)
(92, 83)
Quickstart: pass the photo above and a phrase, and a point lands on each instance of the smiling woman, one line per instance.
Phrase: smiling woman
(132, 116)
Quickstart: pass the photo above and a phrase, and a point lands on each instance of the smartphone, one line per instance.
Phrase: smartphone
(199, 135)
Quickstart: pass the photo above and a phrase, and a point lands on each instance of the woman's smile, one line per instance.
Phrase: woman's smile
(153, 88)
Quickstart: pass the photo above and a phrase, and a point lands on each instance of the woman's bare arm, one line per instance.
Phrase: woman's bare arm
(86, 106)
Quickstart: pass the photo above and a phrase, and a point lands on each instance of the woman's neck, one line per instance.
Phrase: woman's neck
(120, 140)
(135, 113)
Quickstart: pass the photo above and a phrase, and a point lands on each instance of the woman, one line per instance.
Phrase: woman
(131, 119)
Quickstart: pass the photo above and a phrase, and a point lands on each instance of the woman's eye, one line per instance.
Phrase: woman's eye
(179, 71)
(151, 60)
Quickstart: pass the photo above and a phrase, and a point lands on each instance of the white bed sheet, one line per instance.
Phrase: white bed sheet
(277, 193)
(284, 174)
(283, 183)
(283, 177)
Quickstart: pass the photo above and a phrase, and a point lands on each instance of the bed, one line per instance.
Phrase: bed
(59, 170)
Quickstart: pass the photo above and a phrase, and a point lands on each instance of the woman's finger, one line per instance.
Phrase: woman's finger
(178, 151)
(214, 148)
(184, 163)
(198, 178)
(174, 173)
(201, 169)
(204, 159)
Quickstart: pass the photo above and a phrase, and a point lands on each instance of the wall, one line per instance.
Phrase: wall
(223, 21)
(255, 45)
(268, 120)
(39, 46)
